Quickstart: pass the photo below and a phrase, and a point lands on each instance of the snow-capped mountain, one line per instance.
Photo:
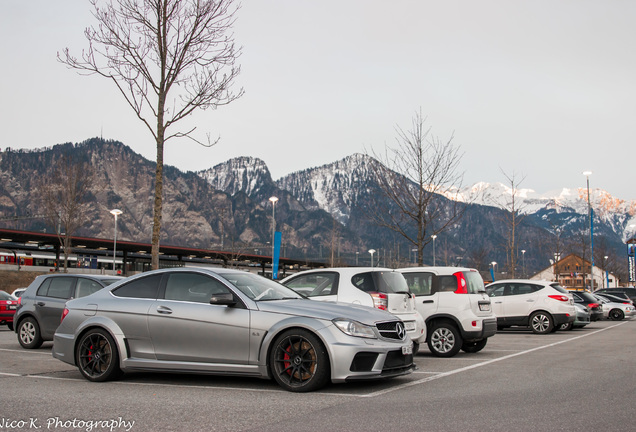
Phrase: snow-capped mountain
(617, 213)
(335, 187)
(242, 174)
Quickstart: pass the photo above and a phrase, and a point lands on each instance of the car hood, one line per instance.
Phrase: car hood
(326, 310)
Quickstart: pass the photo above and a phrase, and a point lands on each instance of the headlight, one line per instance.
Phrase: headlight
(354, 328)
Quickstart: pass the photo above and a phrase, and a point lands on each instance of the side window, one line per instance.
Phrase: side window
(58, 287)
(315, 284)
(192, 287)
(419, 283)
(520, 289)
(145, 287)
(44, 288)
(86, 287)
(364, 282)
(446, 283)
(496, 291)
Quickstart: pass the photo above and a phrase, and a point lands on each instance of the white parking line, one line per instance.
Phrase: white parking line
(25, 351)
(455, 371)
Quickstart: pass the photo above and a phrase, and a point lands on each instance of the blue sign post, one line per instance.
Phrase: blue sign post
(276, 257)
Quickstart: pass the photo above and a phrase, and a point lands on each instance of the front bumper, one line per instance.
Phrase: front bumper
(354, 358)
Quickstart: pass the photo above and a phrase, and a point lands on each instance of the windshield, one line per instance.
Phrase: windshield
(259, 288)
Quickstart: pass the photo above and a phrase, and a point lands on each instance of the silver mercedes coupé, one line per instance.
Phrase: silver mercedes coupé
(228, 322)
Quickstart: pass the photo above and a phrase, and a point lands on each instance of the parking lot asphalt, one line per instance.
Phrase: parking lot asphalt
(576, 380)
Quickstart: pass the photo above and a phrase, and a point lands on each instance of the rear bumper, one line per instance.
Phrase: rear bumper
(560, 319)
(488, 328)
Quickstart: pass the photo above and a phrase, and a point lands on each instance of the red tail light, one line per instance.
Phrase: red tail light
(560, 297)
(64, 314)
(462, 286)
(380, 301)
(593, 305)
(19, 301)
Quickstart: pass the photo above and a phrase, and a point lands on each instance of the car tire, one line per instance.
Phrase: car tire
(475, 346)
(10, 325)
(96, 356)
(541, 323)
(567, 326)
(299, 361)
(444, 340)
(416, 347)
(616, 315)
(29, 334)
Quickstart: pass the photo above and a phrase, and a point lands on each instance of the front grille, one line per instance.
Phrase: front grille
(397, 360)
(391, 330)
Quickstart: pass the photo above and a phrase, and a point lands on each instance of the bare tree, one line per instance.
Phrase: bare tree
(417, 177)
(512, 218)
(167, 58)
(64, 196)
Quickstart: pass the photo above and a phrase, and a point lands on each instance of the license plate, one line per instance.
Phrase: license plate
(409, 326)
(407, 350)
(484, 306)
(12, 307)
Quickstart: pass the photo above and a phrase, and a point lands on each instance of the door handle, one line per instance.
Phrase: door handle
(428, 301)
(164, 310)
(41, 304)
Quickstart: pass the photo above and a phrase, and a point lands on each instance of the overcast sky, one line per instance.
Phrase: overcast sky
(545, 89)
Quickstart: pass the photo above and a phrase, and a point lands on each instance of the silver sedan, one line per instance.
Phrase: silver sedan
(232, 323)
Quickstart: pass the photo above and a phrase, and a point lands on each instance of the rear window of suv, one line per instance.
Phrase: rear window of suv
(380, 281)
(474, 281)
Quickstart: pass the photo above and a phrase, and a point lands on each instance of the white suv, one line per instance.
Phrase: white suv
(368, 286)
(455, 308)
(541, 305)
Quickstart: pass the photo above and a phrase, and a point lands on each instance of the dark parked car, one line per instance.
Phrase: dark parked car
(587, 299)
(8, 305)
(617, 297)
(41, 305)
(629, 291)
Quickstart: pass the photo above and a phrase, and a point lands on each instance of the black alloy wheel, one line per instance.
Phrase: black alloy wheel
(97, 357)
(616, 315)
(299, 361)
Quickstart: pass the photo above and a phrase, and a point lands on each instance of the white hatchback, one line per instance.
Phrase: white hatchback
(381, 288)
(543, 306)
(455, 308)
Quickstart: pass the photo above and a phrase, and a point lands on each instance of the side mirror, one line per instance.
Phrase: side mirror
(226, 299)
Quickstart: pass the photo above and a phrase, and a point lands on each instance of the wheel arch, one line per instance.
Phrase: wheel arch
(447, 318)
(268, 341)
(108, 326)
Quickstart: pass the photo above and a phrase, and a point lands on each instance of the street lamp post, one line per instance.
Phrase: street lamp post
(273, 200)
(557, 258)
(433, 237)
(115, 212)
(372, 251)
(523, 262)
(587, 175)
(605, 275)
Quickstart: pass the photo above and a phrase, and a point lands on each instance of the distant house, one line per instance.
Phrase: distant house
(574, 272)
